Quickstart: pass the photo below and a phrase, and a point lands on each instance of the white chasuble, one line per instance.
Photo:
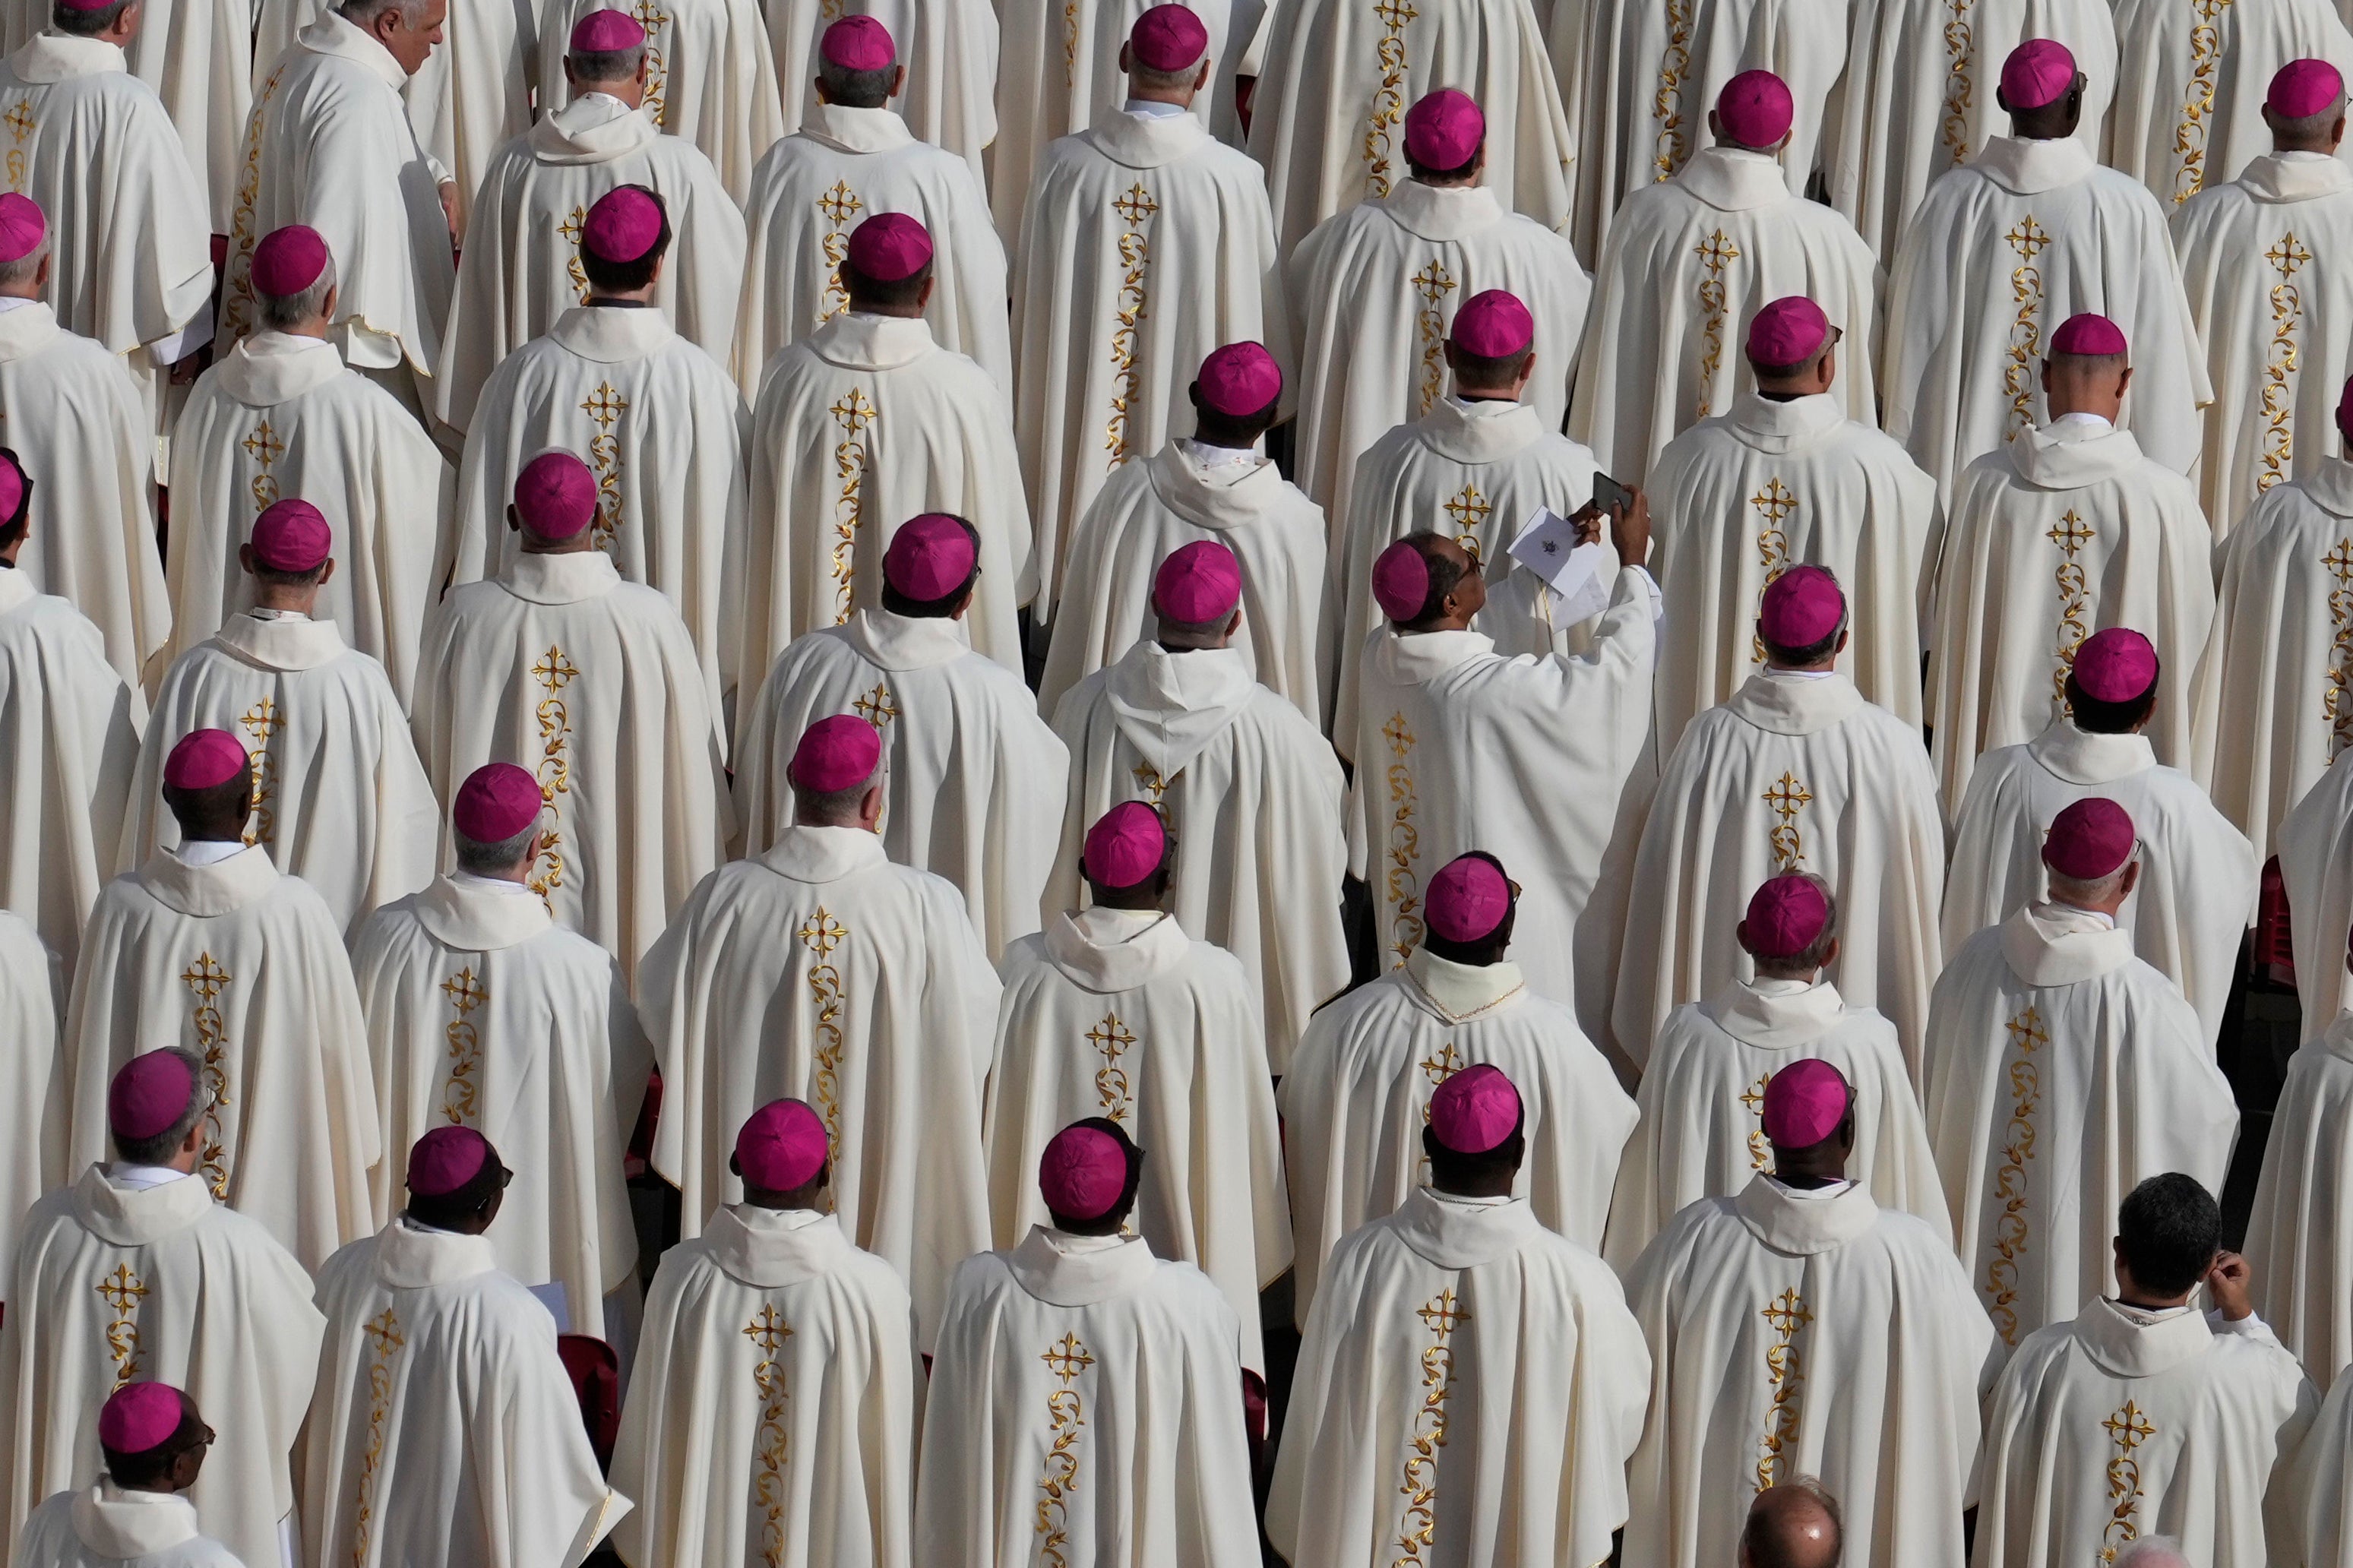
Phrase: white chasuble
(1086, 1406)
(2196, 897)
(771, 1412)
(523, 274)
(1787, 774)
(974, 778)
(2316, 859)
(1806, 1332)
(245, 967)
(102, 1526)
(710, 80)
(662, 428)
(2325, 1510)
(198, 57)
(483, 1012)
(812, 188)
(1769, 484)
(1534, 758)
(592, 683)
(34, 1159)
(817, 969)
(2300, 1233)
(2004, 249)
(339, 797)
(116, 1281)
(1470, 1381)
(1148, 509)
(1375, 289)
(1357, 1098)
(444, 1428)
(1118, 1014)
(473, 93)
(2061, 1072)
(1145, 245)
(1702, 1102)
(860, 426)
(2068, 531)
(949, 47)
(2121, 1422)
(282, 417)
(1253, 795)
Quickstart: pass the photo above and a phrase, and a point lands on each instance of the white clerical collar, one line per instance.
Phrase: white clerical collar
(1069, 1271)
(817, 852)
(563, 578)
(52, 57)
(608, 336)
(1209, 457)
(1734, 179)
(139, 1178)
(2057, 944)
(2025, 166)
(2078, 756)
(14, 302)
(894, 642)
(1443, 213)
(1776, 1015)
(410, 1255)
(332, 34)
(2144, 1317)
(1804, 1222)
(1459, 993)
(261, 613)
(1456, 1232)
(855, 130)
(1152, 108)
(772, 1248)
(206, 851)
(1774, 985)
(498, 885)
(860, 340)
(1774, 672)
(1822, 1193)
(2088, 423)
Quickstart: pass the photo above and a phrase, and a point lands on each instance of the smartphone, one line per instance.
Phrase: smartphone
(1610, 495)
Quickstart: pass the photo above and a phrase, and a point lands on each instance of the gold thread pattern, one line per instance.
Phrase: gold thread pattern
(1787, 797)
(2337, 704)
(1112, 1039)
(1147, 779)
(264, 448)
(1774, 505)
(382, 1331)
(208, 980)
(772, 1447)
(2189, 134)
(2030, 239)
(1470, 511)
(1433, 283)
(854, 414)
(2280, 361)
(1441, 1315)
(1065, 1419)
(2127, 1429)
(821, 934)
(262, 721)
(1135, 207)
(554, 672)
(237, 285)
(605, 406)
(1070, 42)
(1388, 98)
(2070, 534)
(653, 19)
(1715, 252)
(21, 123)
(1960, 93)
(1438, 1066)
(460, 1096)
(838, 206)
(570, 228)
(1674, 142)
(122, 1291)
(1404, 842)
(877, 707)
(1760, 1148)
(1785, 1315)
(2011, 1228)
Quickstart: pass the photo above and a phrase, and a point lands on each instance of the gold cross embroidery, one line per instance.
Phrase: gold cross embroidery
(554, 669)
(1760, 1148)
(840, 204)
(1470, 511)
(264, 446)
(1787, 1312)
(853, 413)
(1441, 1314)
(2337, 705)
(1147, 779)
(384, 1328)
(571, 229)
(1112, 1039)
(2030, 238)
(1395, 13)
(1067, 1359)
(875, 707)
(1774, 504)
(1441, 1065)
(464, 993)
(461, 1095)
(1715, 252)
(20, 125)
(2289, 255)
(767, 1330)
(2069, 534)
(205, 977)
(604, 406)
(1135, 204)
(1786, 797)
(122, 1291)
(1433, 282)
(821, 934)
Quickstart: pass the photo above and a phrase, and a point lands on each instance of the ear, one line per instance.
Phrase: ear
(327, 572)
(245, 558)
(898, 81)
(2124, 382)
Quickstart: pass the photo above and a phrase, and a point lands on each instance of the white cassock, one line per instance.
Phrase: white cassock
(710, 80)
(280, 417)
(949, 47)
(246, 967)
(1148, 509)
(1356, 1102)
(2196, 897)
(2121, 1422)
(1702, 1104)
(592, 684)
(2069, 530)
(444, 1428)
(32, 985)
(483, 1012)
(818, 969)
(1253, 795)
(1087, 1400)
(2268, 710)
(1533, 757)
(1460, 1323)
(1375, 289)
(1790, 773)
(116, 1280)
(771, 1415)
(663, 428)
(101, 1526)
(2300, 1232)
(1144, 246)
(1743, 496)
(339, 797)
(2061, 1072)
(860, 426)
(68, 743)
(974, 778)
(2316, 874)
(2003, 250)
(1118, 1013)
(1808, 1332)
(812, 188)
(73, 416)
(522, 271)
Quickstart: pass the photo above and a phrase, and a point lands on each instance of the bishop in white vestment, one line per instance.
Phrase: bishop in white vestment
(155, 1445)
(33, 983)
(2316, 874)
(2300, 1233)
(950, 51)
(711, 78)
(2326, 1514)
(2190, 88)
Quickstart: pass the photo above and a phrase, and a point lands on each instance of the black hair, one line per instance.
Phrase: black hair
(2098, 718)
(1445, 574)
(628, 277)
(2168, 1231)
(901, 295)
(898, 604)
(467, 1201)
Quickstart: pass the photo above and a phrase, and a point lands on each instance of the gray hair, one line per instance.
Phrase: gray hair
(88, 23)
(1191, 635)
(838, 808)
(2153, 1552)
(1143, 76)
(361, 13)
(489, 859)
(2083, 894)
(159, 1148)
(605, 65)
(25, 267)
(857, 89)
(284, 312)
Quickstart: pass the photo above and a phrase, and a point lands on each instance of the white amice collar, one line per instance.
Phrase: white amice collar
(860, 340)
(1459, 993)
(2078, 756)
(1442, 214)
(1734, 179)
(855, 130)
(893, 642)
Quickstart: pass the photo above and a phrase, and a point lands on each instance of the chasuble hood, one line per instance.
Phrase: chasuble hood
(1146, 140)
(2025, 167)
(1108, 950)
(124, 1525)
(594, 128)
(1734, 179)
(1784, 426)
(855, 130)
(2052, 944)
(1441, 214)
(125, 1215)
(273, 367)
(2067, 455)
(1170, 705)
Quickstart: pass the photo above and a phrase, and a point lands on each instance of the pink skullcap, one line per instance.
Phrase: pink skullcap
(929, 558)
(1804, 1103)
(2345, 411)
(890, 247)
(139, 1417)
(291, 535)
(1786, 914)
(1199, 582)
(606, 33)
(556, 495)
(1800, 607)
(859, 44)
(2038, 71)
(204, 758)
(2089, 840)
(1467, 899)
(2304, 88)
(834, 754)
(1082, 1173)
(1755, 108)
(22, 227)
(1443, 130)
(2114, 664)
(1168, 39)
(287, 260)
(497, 801)
(1401, 582)
(1476, 1109)
(11, 486)
(1789, 331)
(1240, 380)
(622, 225)
(445, 1160)
(2088, 334)
(149, 1093)
(1127, 845)
(781, 1146)
(1493, 325)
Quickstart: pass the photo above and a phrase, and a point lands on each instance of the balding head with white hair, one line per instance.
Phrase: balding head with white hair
(2153, 1552)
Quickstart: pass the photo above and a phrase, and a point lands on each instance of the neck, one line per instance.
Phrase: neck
(1181, 96)
(532, 544)
(626, 296)
(1445, 182)
(1804, 1181)
(1487, 394)
(865, 307)
(1817, 667)
(211, 835)
(302, 601)
(19, 291)
(2148, 1302)
(160, 1485)
(1803, 976)
(1489, 1184)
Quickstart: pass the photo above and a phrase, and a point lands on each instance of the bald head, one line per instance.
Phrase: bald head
(2153, 1552)
(1793, 1525)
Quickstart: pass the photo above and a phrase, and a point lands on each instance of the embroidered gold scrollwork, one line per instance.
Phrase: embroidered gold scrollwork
(853, 416)
(383, 1333)
(1715, 253)
(1960, 93)
(264, 448)
(2012, 1229)
(236, 315)
(2029, 239)
(2127, 1428)
(1389, 97)
(1404, 842)
(207, 980)
(1787, 797)
(2198, 102)
(837, 205)
(1760, 1148)
(606, 405)
(1441, 1315)
(21, 123)
(460, 1096)
(2337, 704)
(771, 1447)
(1134, 207)
(122, 1291)
(554, 672)
(1433, 283)
(821, 934)
(1112, 1039)
(2280, 361)
(1774, 505)
(2070, 534)
(1065, 1419)
(1674, 139)
(1470, 511)
(262, 721)
(654, 19)
(1785, 1314)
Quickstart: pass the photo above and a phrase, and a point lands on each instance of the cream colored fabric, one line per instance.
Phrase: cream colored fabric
(30, 1000)
(103, 1525)
(949, 47)
(198, 57)
(2325, 1515)
(710, 77)
(2298, 1243)
(474, 92)
(2317, 874)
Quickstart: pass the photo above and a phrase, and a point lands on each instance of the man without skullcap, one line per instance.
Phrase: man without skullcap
(155, 1445)
(1579, 1374)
